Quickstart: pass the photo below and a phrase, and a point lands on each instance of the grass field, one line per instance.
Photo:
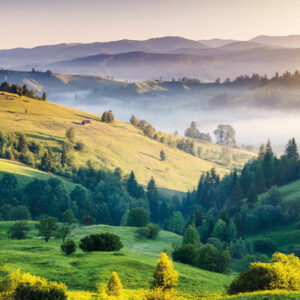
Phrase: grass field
(266, 295)
(26, 174)
(111, 145)
(135, 263)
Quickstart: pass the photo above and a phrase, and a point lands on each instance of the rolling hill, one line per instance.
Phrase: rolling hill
(135, 263)
(112, 145)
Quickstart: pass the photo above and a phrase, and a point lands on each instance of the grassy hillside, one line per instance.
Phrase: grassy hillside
(267, 295)
(111, 145)
(135, 263)
(285, 236)
(26, 174)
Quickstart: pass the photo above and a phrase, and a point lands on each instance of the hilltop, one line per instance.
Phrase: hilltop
(112, 145)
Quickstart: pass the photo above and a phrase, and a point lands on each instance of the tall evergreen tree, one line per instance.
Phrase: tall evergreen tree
(252, 196)
(291, 150)
(132, 185)
(152, 196)
(262, 151)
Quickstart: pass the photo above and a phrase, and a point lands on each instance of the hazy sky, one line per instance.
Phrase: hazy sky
(29, 23)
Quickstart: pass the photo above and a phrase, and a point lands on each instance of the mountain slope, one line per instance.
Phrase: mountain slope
(292, 41)
(111, 145)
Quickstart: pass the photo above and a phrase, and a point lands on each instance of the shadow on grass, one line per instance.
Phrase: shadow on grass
(88, 118)
(149, 155)
(45, 137)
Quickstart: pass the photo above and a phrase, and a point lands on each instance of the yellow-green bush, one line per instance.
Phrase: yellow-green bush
(114, 285)
(30, 287)
(283, 272)
(160, 294)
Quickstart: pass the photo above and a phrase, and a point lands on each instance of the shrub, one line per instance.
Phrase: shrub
(137, 217)
(185, 254)
(68, 247)
(160, 294)
(101, 242)
(264, 245)
(165, 277)
(18, 230)
(114, 285)
(282, 273)
(150, 231)
(29, 287)
(209, 258)
(81, 147)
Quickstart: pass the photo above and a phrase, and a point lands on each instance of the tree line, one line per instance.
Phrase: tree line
(21, 90)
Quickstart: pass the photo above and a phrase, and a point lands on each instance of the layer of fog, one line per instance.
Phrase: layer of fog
(253, 126)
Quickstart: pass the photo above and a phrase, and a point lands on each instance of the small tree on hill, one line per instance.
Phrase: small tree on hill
(134, 121)
(191, 236)
(44, 96)
(47, 228)
(68, 247)
(63, 232)
(70, 134)
(165, 276)
(68, 217)
(18, 230)
(291, 150)
(137, 217)
(162, 155)
(114, 285)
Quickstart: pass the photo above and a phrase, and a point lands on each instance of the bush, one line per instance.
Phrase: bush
(150, 231)
(264, 245)
(18, 230)
(29, 287)
(185, 254)
(81, 147)
(160, 294)
(137, 217)
(101, 242)
(211, 259)
(282, 273)
(68, 247)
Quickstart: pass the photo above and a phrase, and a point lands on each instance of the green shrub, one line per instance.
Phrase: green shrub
(185, 254)
(283, 272)
(101, 242)
(264, 245)
(137, 217)
(68, 247)
(150, 231)
(18, 230)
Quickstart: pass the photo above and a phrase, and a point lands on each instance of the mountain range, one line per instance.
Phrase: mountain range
(166, 57)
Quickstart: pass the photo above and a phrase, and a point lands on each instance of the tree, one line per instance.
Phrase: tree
(101, 242)
(132, 185)
(165, 276)
(44, 96)
(134, 121)
(18, 230)
(162, 155)
(152, 196)
(252, 196)
(47, 228)
(291, 150)
(220, 230)
(137, 217)
(150, 231)
(70, 134)
(107, 117)
(64, 158)
(176, 222)
(185, 254)
(225, 135)
(264, 245)
(63, 231)
(191, 236)
(68, 217)
(114, 285)
(68, 247)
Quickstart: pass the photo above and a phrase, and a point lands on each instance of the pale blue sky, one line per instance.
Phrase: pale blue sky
(29, 23)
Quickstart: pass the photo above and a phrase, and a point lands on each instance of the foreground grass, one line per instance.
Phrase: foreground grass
(81, 271)
(266, 295)
(111, 145)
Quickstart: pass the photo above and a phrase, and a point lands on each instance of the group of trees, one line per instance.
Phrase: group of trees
(107, 117)
(193, 132)
(223, 211)
(21, 90)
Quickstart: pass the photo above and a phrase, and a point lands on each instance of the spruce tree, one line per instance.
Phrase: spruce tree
(165, 277)
(291, 150)
(262, 151)
(152, 196)
(114, 285)
(252, 197)
(132, 185)
(162, 155)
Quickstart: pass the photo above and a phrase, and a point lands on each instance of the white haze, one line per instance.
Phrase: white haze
(253, 126)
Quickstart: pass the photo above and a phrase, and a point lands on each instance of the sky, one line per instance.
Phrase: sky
(28, 23)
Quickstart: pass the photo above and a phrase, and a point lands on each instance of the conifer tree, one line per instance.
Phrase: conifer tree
(259, 180)
(291, 150)
(262, 151)
(162, 155)
(134, 121)
(191, 236)
(132, 185)
(252, 196)
(165, 276)
(114, 285)
(152, 196)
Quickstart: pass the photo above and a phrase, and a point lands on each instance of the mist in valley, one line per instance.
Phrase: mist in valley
(253, 125)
